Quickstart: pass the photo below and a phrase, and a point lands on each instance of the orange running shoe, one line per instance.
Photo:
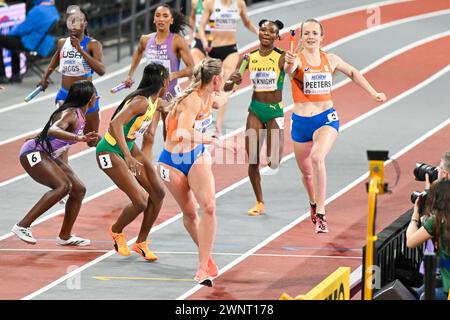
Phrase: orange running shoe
(143, 250)
(120, 244)
(212, 269)
(203, 278)
(257, 210)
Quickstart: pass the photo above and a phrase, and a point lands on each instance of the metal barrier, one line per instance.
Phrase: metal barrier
(389, 249)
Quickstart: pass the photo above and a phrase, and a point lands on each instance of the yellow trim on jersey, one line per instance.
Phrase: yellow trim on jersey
(138, 123)
(265, 72)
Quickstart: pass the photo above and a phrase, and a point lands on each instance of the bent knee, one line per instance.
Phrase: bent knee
(209, 208)
(78, 191)
(317, 159)
(158, 195)
(140, 204)
(63, 188)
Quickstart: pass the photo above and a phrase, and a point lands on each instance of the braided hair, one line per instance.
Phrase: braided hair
(80, 93)
(151, 82)
(203, 74)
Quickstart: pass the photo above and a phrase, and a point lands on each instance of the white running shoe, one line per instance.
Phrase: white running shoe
(24, 234)
(73, 241)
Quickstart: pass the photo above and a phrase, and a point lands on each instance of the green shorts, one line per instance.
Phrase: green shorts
(266, 111)
(104, 146)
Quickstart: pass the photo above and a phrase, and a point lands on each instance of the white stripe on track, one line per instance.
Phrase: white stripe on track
(340, 84)
(230, 188)
(245, 48)
(252, 251)
(183, 253)
(296, 26)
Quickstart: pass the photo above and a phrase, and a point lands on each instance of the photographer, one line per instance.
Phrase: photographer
(437, 222)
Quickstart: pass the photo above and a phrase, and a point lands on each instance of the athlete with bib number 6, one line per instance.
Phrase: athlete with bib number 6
(40, 159)
(315, 123)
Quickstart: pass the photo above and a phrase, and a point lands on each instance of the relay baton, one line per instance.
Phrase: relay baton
(292, 40)
(119, 87)
(244, 63)
(33, 94)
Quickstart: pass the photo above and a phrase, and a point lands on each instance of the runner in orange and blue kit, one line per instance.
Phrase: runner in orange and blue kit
(315, 123)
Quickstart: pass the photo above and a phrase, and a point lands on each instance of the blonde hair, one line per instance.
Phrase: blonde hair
(203, 74)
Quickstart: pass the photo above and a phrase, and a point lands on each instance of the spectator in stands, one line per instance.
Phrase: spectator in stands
(30, 35)
(437, 225)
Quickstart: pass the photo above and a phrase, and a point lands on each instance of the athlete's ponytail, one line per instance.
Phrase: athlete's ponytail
(151, 82)
(80, 93)
(203, 74)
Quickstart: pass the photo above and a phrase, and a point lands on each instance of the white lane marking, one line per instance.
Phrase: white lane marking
(54, 250)
(183, 253)
(306, 215)
(274, 7)
(235, 185)
(338, 85)
(274, 236)
(245, 48)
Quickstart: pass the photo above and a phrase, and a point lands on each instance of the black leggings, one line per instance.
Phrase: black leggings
(15, 45)
(223, 51)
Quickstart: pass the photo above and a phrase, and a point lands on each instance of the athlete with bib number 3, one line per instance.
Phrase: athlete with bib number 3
(128, 166)
(315, 123)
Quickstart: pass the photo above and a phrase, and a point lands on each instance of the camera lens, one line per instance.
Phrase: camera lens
(422, 168)
(432, 173)
(414, 196)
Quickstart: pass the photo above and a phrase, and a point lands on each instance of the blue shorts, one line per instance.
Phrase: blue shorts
(303, 128)
(182, 161)
(62, 95)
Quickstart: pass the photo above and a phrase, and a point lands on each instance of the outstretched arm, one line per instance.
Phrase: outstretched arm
(245, 19)
(137, 56)
(356, 77)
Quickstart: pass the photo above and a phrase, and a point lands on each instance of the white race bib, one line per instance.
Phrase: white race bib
(34, 158)
(71, 62)
(164, 62)
(203, 124)
(142, 129)
(264, 80)
(332, 117)
(105, 161)
(164, 173)
(317, 83)
(280, 122)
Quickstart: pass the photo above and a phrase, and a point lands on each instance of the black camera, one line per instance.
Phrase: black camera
(422, 168)
(422, 199)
